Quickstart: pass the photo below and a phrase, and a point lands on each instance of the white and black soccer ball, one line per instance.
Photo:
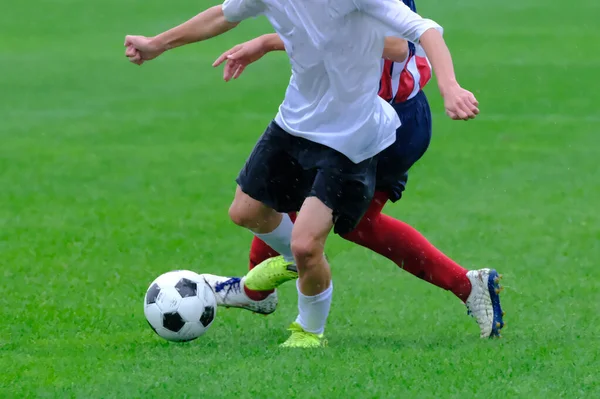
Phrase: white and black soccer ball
(180, 306)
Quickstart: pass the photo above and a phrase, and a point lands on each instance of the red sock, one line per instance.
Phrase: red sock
(406, 247)
(259, 252)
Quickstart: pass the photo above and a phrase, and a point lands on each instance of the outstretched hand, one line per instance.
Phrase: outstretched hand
(139, 49)
(239, 57)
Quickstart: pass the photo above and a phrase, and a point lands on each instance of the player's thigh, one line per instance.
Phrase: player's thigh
(312, 226)
(271, 176)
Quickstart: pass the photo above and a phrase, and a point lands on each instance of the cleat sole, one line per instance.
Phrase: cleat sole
(494, 290)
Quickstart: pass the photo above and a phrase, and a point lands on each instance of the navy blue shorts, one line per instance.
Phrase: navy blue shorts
(412, 140)
(283, 170)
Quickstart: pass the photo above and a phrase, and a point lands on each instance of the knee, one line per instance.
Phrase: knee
(308, 251)
(242, 214)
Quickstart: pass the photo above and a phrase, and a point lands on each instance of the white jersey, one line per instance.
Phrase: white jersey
(335, 47)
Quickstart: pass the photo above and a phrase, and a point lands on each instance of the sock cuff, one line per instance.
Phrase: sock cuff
(280, 238)
(283, 228)
(315, 298)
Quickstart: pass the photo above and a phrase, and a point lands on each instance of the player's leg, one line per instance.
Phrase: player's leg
(308, 245)
(403, 244)
(314, 284)
(409, 249)
(340, 195)
(397, 241)
(392, 238)
(254, 206)
(272, 227)
(260, 252)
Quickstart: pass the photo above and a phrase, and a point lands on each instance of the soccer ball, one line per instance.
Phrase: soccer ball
(180, 306)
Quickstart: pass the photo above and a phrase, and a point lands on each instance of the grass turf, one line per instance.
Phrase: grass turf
(111, 174)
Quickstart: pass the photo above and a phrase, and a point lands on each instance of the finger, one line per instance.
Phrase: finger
(239, 71)
(134, 55)
(135, 58)
(131, 51)
(463, 109)
(221, 58)
(451, 114)
(225, 55)
(235, 71)
(466, 115)
(470, 102)
(474, 100)
(470, 109)
(462, 112)
(128, 40)
(238, 53)
(229, 70)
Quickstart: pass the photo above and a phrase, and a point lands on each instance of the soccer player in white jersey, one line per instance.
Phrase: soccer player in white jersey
(405, 72)
(319, 154)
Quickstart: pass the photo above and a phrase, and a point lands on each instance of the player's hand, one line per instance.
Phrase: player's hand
(239, 57)
(139, 49)
(460, 104)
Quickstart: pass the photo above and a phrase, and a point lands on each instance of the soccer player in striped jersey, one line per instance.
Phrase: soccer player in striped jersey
(405, 72)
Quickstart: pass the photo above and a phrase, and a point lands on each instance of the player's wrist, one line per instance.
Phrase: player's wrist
(271, 42)
(160, 42)
(264, 43)
(447, 85)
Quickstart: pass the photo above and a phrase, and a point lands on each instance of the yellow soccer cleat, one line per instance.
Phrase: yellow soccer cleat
(270, 274)
(303, 339)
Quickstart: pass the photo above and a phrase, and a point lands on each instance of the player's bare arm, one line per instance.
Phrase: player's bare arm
(459, 103)
(206, 25)
(241, 55)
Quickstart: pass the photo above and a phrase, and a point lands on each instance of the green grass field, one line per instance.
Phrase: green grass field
(111, 174)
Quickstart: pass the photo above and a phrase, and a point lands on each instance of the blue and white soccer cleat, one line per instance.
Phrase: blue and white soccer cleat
(229, 292)
(484, 301)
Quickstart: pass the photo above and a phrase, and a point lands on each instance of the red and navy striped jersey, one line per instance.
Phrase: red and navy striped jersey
(401, 81)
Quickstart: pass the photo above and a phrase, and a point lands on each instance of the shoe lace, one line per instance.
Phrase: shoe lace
(232, 284)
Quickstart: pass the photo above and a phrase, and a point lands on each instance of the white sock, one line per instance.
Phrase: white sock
(280, 239)
(314, 310)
